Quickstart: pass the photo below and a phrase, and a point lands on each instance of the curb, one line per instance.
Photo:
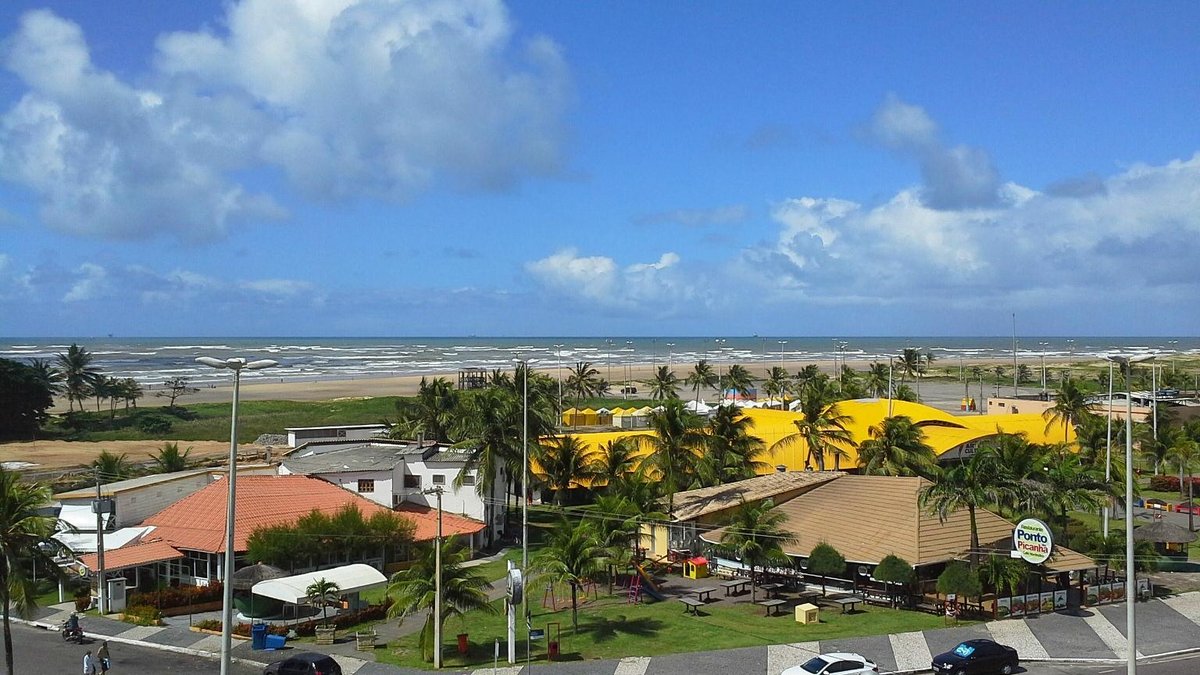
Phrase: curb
(1079, 660)
(151, 645)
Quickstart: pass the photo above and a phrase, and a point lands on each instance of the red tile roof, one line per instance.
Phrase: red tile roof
(132, 556)
(426, 520)
(197, 522)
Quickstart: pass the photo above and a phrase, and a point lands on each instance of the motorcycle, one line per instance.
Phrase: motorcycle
(70, 634)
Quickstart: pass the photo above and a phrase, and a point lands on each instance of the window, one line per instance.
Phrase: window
(439, 479)
(411, 481)
(468, 478)
(366, 484)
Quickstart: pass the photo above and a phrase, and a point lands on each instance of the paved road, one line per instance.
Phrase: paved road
(1189, 665)
(42, 652)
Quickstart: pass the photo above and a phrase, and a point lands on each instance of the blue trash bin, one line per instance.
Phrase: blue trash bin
(276, 641)
(258, 636)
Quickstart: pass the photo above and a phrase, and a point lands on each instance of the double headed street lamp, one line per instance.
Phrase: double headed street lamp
(1130, 581)
(237, 365)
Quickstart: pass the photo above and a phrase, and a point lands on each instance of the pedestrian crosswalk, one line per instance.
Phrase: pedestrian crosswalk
(1016, 634)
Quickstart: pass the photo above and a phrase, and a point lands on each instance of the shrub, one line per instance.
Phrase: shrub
(342, 621)
(1165, 483)
(208, 624)
(177, 596)
(142, 615)
(154, 425)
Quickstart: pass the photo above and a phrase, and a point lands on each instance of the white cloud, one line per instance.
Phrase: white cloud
(91, 283)
(957, 177)
(347, 98)
(662, 285)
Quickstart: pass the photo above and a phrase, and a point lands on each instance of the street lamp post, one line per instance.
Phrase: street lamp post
(781, 344)
(237, 365)
(1042, 345)
(670, 355)
(558, 358)
(717, 357)
(628, 369)
(1108, 447)
(891, 392)
(1130, 577)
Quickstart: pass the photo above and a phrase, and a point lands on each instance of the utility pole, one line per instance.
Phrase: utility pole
(437, 583)
(100, 504)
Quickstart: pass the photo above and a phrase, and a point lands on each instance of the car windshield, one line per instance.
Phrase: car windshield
(815, 665)
(964, 650)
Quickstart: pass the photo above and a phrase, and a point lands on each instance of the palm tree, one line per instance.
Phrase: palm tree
(112, 467)
(755, 535)
(675, 442)
(732, 453)
(822, 428)
(129, 391)
(896, 448)
(1185, 451)
(562, 462)
(664, 385)
(777, 383)
(572, 554)
(169, 459)
(1004, 575)
(910, 363)
(617, 521)
(1155, 448)
(878, 377)
(48, 375)
(739, 379)
(643, 493)
(583, 382)
(430, 414)
(463, 588)
(702, 377)
(1068, 485)
(806, 375)
(322, 593)
(1069, 409)
(615, 460)
(969, 484)
(78, 373)
(26, 543)
(490, 426)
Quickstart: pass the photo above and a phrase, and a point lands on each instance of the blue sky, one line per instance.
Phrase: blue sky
(271, 168)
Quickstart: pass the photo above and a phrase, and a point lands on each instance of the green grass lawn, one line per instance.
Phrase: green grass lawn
(610, 628)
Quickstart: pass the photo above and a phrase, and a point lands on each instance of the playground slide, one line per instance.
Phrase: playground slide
(650, 588)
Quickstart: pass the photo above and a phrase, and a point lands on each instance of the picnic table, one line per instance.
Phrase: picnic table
(691, 605)
(847, 601)
(772, 605)
(771, 589)
(735, 585)
(703, 593)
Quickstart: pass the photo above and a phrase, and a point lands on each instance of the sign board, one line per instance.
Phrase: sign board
(537, 633)
(1032, 541)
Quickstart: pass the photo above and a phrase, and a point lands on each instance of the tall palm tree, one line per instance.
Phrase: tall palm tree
(615, 460)
(563, 462)
(430, 414)
(896, 448)
(675, 443)
(1185, 452)
(1154, 447)
(1069, 485)
(643, 493)
(583, 382)
(464, 589)
(969, 484)
(490, 426)
(755, 535)
(169, 459)
(78, 373)
(48, 375)
(129, 391)
(878, 377)
(806, 376)
(574, 555)
(26, 541)
(702, 377)
(738, 379)
(777, 383)
(1069, 409)
(822, 428)
(910, 363)
(732, 452)
(664, 385)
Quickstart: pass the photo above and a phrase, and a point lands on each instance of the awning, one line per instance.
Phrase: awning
(85, 542)
(78, 516)
(349, 578)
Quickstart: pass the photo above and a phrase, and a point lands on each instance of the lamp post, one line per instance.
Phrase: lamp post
(717, 358)
(781, 344)
(1042, 345)
(609, 353)
(628, 369)
(437, 580)
(237, 365)
(1130, 578)
(891, 392)
(558, 358)
(670, 355)
(1108, 446)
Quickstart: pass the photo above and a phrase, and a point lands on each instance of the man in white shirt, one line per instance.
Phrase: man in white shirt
(89, 666)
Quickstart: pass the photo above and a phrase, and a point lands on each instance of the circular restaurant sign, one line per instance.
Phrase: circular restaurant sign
(1032, 541)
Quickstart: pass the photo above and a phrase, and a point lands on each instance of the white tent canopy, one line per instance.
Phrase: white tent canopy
(85, 542)
(349, 578)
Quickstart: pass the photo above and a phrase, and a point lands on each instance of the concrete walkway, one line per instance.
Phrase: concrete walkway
(1165, 626)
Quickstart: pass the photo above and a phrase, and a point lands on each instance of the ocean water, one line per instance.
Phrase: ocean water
(153, 360)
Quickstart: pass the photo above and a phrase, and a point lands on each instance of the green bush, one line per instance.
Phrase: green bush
(154, 425)
(178, 596)
(142, 615)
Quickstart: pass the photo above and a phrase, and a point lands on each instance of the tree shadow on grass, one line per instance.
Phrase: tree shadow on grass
(604, 629)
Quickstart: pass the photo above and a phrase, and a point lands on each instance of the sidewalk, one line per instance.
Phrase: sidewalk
(1165, 625)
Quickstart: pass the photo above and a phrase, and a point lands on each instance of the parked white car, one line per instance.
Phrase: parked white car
(843, 663)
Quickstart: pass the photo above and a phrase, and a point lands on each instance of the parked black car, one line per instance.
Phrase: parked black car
(977, 656)
(304, 663)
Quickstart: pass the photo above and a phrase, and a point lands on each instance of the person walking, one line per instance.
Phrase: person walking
(89, 664)
(102, 657)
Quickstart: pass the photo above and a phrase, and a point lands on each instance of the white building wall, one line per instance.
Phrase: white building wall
(465, 500)
(382, 494)
(137, 504)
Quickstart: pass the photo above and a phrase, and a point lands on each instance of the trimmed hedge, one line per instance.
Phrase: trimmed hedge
(1165, 483)
(142, 615)
(178, 596)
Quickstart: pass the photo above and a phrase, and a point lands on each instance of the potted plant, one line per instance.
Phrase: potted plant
(321, 593)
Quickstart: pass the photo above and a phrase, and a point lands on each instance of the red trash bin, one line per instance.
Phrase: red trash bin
(552, 650)
(462, 643)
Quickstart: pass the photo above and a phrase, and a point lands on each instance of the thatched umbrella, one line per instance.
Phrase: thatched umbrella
(1167, 535)
(245, 578)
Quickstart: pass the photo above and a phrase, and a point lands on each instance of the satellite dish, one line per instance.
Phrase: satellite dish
(516, 587)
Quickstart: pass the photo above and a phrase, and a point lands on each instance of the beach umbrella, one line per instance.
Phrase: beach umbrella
(1162, 532)
(245, 578)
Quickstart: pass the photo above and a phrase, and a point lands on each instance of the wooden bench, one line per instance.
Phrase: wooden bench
(704, 593)
(772, 605)
(691, 605)
(735, 585)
